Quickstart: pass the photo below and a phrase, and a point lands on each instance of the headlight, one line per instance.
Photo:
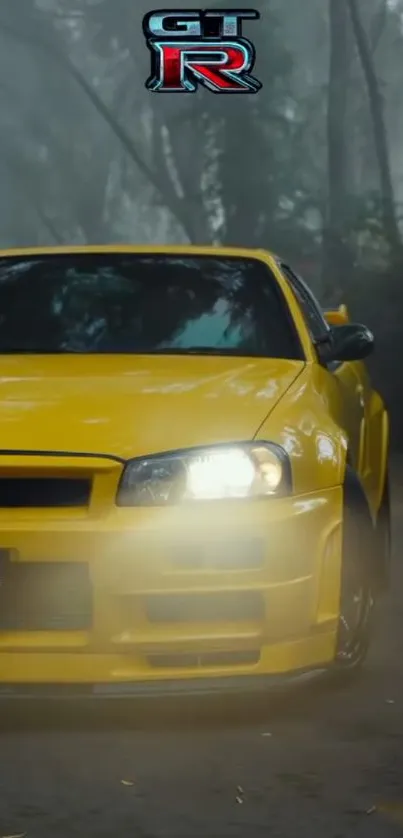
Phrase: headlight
(250, 470)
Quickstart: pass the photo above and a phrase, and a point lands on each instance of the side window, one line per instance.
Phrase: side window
(315, 321)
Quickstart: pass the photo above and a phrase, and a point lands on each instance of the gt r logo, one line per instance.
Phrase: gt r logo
(192, 48)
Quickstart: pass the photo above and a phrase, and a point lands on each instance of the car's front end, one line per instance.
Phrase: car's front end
(155, 533)
(125, 600)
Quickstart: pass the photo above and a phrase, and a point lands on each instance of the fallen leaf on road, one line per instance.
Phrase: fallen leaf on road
(239, 797)
(127, 783)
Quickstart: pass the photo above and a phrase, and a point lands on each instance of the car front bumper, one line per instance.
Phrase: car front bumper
(188, 687)
(226, 597)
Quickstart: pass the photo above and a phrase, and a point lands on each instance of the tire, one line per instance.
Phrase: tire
(358, 586)
(384, 541)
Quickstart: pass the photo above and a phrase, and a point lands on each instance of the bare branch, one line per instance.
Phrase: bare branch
(172, 202)
(378, 26)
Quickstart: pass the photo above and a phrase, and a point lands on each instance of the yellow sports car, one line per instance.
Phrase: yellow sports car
(193, 474)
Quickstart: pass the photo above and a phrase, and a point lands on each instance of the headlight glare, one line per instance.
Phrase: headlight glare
(221, 472)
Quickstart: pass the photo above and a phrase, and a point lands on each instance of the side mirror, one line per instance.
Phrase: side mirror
(350, 342)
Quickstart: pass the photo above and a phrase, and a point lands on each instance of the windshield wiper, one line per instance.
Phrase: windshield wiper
(37, 350)
(192, 350)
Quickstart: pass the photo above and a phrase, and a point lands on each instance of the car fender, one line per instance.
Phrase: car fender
(307, 424)
(379, 436)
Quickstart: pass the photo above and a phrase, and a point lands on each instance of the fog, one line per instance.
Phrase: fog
(311, 166)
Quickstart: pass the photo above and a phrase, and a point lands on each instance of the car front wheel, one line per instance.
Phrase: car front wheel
(357, 590)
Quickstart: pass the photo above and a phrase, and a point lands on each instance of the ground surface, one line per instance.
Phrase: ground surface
(317, 764)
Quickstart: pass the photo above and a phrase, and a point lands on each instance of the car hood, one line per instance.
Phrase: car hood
(129, 406)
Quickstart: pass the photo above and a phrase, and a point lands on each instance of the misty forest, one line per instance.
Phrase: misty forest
(311, 167)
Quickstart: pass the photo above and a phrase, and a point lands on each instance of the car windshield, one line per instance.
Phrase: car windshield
(141, 304)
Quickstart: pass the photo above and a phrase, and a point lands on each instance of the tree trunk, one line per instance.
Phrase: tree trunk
(336, 251)
(390, 224)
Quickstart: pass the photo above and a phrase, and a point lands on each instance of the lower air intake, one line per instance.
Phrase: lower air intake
(44, 596)
(240, 606)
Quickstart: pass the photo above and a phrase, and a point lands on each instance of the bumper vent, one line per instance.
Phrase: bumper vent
(44, 597)
(228, 556)
(192, 608)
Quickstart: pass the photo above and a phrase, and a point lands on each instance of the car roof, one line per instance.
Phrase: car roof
(196, 250)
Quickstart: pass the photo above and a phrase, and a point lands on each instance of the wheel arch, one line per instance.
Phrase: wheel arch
(355, 497)
(352, 647)
(384, 459)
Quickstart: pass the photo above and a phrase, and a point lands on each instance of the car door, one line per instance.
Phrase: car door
(348, 377)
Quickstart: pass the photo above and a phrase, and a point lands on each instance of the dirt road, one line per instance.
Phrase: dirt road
(318, 764)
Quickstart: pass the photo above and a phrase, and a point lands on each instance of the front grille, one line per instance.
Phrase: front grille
(192, 661)
(42, 492)
(44, 597)
(192, 608)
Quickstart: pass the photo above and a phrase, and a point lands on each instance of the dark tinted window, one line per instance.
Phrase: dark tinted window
(312, 312)
(129, 303)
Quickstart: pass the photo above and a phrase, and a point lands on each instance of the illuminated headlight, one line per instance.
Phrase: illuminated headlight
(250, 470)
